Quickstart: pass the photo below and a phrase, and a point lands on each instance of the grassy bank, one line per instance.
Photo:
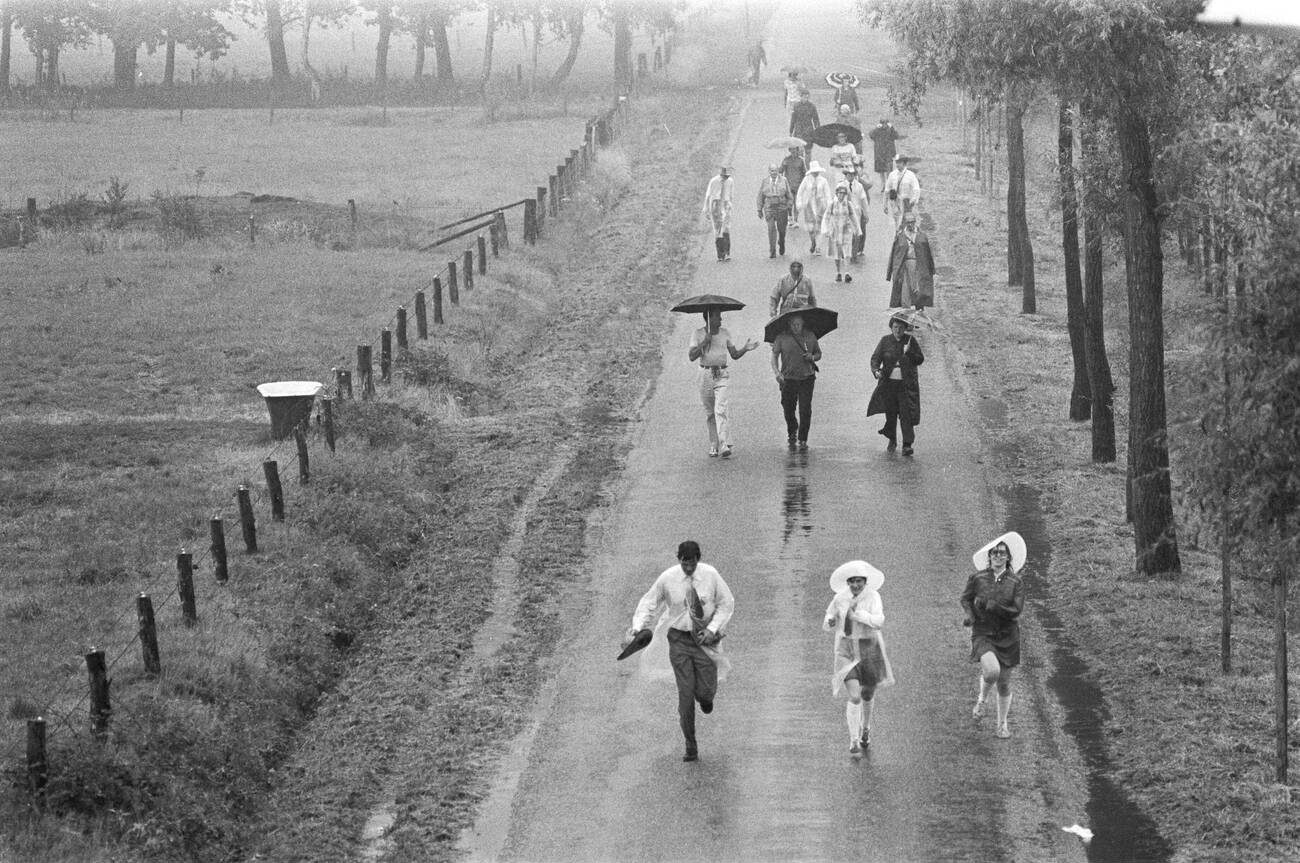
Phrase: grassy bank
(1190, 745)
(332, 671)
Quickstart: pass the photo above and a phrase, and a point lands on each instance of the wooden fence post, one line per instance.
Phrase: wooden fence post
(530, 222)
(246, 520)
(37, 762)
(496, 240)
(467, 269)
(185, 587)
(304, 457)
(342, 383)
(561, 186)
(503, 232)
(217, 530)
(352, 217)
(386, 355)
(421, 316)
(327, 412)
(437, 299)
(481, 244)
(453, 288)
(402, 343)
(100, 708)
(31, 212)
(148, 634)
(252, 230)
(540, 212)
(553, 182)
(366, 371)
(272, 471)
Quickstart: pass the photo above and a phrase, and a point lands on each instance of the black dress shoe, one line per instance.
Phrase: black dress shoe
(706, 706)
(691, 755)
(907, 450)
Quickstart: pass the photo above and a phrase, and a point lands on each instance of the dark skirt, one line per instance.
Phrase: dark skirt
(1004, 642)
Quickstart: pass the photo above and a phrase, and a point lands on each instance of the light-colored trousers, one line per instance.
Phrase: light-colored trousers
(714, 396)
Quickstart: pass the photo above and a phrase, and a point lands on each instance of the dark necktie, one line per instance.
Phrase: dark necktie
(693, 604)
(848, 622)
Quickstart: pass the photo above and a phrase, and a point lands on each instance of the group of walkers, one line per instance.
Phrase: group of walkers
(690, 604)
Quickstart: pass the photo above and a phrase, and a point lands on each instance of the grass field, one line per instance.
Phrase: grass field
(438, 163)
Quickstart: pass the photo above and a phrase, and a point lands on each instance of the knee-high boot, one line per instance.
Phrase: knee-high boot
(718, 246)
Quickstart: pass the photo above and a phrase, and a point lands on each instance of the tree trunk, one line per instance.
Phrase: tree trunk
(441, 47)
(169, 65)
(622, 44)
(1081, 391)
(575, 42)
(1154, 531)
(421, 43)
(1281, 712)
(124, 64)
(487, 46)
(307, 67)
(384, 18)
(1020, 252)
(275, 41)
(1099, 377)
(52, 68)
(6, 48)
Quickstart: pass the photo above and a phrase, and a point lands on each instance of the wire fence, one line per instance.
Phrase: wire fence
(56, 718)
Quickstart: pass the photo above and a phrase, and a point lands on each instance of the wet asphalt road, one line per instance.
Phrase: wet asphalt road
(600, 777)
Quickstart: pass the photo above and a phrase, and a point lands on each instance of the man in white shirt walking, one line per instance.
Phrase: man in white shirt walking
(696, 604)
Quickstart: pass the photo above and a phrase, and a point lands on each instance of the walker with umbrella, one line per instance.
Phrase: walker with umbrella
(824, 135)
(705, 302)
(817, 320)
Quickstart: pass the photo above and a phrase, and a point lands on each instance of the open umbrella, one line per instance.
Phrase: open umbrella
(914, 318)
(704, 302)
(785, 143)
(824, 136)
(835, 79)
(818, 320)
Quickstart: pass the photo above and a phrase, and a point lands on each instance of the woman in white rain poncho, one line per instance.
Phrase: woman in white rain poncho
(812, 201)
(856, 615)
(841, 224)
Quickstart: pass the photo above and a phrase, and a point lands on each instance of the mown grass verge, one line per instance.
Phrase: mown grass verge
(1188, 744)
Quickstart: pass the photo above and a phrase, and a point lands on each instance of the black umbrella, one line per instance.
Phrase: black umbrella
(640, 640)
(816, 319)
(704, 302)
(824, 136)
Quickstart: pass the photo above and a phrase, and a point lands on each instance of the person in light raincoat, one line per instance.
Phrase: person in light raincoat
(812, 201)
(861, 665)
(692, 605)
(841, 224)
(717, 209)
(859, 194)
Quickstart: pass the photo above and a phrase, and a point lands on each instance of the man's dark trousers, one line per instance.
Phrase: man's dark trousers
(797, 392)
(894, 417)
(778, 219)
(697, 679)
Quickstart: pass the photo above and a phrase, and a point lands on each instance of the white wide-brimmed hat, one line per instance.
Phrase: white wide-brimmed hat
(856, 569)
(814, 167)
(1015, 544)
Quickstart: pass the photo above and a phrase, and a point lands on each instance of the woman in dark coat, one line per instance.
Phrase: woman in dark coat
(993, 600)
(898, 390)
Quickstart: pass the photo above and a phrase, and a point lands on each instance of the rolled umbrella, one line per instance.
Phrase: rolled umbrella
(824, 136)
(817, 320)
(785, 143)
(640, 640)
(704, 302)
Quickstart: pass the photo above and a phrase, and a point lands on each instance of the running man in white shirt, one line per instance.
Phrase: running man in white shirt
(696, 604)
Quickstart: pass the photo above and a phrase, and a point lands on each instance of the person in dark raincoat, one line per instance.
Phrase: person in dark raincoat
(898, 390)
(911, 267)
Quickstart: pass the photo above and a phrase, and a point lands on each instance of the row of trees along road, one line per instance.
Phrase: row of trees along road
(53, 26)
(1183, 128)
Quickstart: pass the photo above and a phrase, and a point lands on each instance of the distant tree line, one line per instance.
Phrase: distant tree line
(51, 27)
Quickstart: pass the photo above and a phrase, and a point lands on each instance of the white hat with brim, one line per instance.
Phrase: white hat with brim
(856, 569)
(1015, 544)
(814, 167)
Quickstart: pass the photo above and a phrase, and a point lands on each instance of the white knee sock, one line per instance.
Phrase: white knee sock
(1004, 707)
(984, 688)
(853, 715)
(865, 711)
